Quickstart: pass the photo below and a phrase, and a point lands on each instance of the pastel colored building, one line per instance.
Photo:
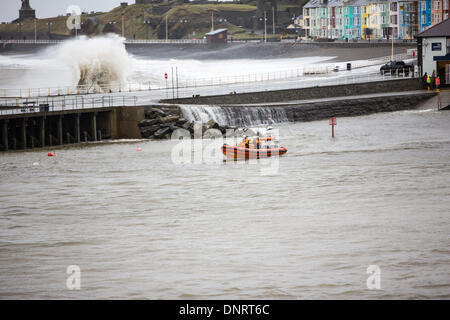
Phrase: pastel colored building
(371, 19)
(424, 15)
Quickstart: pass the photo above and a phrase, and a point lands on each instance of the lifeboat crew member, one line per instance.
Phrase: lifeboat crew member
(247, 142)
(258, 143)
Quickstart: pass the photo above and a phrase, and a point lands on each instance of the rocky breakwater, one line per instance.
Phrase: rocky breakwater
(160, 124)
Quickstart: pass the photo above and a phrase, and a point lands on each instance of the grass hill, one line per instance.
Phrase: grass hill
(183, 21)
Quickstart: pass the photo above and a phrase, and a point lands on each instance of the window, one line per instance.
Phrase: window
(437, 18)
(383, 19)
(446, 5)
(394, 19)
(437, 5)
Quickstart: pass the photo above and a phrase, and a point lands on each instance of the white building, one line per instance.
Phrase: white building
(433, 47)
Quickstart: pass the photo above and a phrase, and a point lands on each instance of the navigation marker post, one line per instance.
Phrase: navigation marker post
(165, 77)
(332, 123)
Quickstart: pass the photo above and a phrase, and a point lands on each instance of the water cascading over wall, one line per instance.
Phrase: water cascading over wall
(235, 116)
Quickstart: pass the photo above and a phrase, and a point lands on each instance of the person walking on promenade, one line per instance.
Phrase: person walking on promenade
(429, 82)
(424, 80)
(438, 83)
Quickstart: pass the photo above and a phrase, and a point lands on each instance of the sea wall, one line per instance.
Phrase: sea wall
(160, 124)
(304, 93)
(354, 107)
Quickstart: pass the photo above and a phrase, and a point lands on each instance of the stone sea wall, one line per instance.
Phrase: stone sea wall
(305, 93)
(159, 123)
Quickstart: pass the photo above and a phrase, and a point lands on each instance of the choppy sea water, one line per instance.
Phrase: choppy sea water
(140, 226)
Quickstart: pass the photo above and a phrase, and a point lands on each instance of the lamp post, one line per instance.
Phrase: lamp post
(123, 25)
(273, 20)
(147, 24)
(35, 31)
(112, 23)
(20, 27)
(183, 21)
(212, 21)
(265, 26)
(167, 28)
(49, 24)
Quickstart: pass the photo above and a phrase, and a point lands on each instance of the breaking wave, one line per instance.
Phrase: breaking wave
(100, 61)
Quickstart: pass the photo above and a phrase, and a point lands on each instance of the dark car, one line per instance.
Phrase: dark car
(397, 67)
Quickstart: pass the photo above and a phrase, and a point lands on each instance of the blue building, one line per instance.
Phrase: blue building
(424, 15)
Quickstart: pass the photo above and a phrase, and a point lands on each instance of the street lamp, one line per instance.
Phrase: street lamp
(183, 21)
(49, 24)
(167, 28)
(147, 24)
(35, 30)
(223, 20)
(123, 25)
(112, 23)
(20, 24)
(265, 26)
(273, 20)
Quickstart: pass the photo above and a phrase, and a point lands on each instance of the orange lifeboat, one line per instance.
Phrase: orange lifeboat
(240, 152)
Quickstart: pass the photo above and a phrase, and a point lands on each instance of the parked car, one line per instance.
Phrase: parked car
(397, 67)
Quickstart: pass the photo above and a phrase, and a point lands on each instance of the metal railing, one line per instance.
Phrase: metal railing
(168, 41)
(9, 106)
(13, 41)
(156, 41)
(288, 74)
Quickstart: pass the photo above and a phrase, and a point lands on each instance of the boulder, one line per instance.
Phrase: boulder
(186, 125)
(168, 124)
(147, 132)
(169, 119)
(148, 122)
(212, 124)
(158, 113)
(181, 121)
(161, 133)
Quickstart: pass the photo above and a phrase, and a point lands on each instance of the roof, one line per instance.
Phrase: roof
(215, 32)
(441, 29)
(314, 4)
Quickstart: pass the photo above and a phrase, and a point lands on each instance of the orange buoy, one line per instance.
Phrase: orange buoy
(138, 149)
(50, 154)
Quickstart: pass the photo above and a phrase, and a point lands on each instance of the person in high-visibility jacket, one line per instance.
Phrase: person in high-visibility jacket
(247, 142)
(429, 82)
(438, 82)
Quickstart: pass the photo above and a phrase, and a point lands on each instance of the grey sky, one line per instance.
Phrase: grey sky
(9, 9)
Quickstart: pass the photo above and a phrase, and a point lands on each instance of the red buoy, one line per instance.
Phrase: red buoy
(50, 154)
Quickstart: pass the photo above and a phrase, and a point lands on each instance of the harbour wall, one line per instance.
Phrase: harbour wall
(353, 107)
(40, 129)
(387, 86)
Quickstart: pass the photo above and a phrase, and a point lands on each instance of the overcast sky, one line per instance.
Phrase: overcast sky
(9, 9)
